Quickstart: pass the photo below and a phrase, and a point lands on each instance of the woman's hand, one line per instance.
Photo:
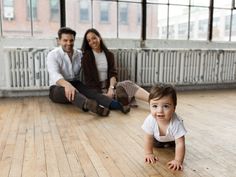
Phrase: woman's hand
(110, 92)
(150, 158)
(175, 165)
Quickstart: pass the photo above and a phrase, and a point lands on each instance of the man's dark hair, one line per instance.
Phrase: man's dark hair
(65, 30)
(160, 90)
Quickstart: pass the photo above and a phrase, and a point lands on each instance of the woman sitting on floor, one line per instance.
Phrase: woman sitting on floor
(100, 71)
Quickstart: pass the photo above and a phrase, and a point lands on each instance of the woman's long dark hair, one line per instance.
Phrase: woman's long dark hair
(85, 45)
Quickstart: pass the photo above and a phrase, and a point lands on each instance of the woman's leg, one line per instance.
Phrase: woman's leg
(133, 90)
(141, 94)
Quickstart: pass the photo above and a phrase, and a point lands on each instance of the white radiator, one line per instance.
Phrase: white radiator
(186, 67)
(26, 67)
(126, 63)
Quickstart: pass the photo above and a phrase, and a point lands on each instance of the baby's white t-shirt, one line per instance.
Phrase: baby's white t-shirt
(174, 131)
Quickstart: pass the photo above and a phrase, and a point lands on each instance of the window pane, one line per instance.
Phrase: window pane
(32, 9)
(221, 25)
(183, 30)
(178, 16)
(48, 18)
(15, 21)
(162, 21)
(123, 13)
(8, 3)
(78, 15)
(154, 13)
(202, 28)
(19, 24)
(129, 27)
(54, 10)
(200, 2)
(104, 18)
(223, 3)
(8, 10)
(192, 30)
(157, 1)
(184, 2)
(199, 23)
(233, 32)
(104, 12)
(84, 9)
(130, 0)
(139, 15)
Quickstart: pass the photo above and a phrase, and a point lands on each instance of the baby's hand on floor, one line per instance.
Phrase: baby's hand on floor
(150, 158)
(175, 165)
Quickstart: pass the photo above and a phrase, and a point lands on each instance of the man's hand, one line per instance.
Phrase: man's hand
(70, 92)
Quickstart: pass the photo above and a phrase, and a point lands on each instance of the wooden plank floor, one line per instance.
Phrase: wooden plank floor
(41, 139)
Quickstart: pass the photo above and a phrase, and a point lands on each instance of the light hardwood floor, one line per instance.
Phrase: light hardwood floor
(41, 139)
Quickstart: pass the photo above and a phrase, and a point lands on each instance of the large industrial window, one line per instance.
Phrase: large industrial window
(165, 19)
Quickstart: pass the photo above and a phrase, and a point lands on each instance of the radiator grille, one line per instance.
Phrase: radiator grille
(126, 64)
(185, 67)
(27, 69)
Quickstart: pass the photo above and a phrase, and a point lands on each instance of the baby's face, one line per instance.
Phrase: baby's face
(162, 109)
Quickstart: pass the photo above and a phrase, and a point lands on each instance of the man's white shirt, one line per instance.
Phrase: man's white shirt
(60, 66)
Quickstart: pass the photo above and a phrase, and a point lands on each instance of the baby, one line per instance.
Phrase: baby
(163, 127)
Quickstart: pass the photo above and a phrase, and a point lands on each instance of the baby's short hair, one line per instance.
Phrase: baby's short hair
(160, 90)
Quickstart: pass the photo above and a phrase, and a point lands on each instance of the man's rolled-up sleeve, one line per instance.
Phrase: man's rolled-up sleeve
(53, 67)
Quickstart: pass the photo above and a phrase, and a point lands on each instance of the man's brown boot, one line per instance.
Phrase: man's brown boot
(93, 106)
